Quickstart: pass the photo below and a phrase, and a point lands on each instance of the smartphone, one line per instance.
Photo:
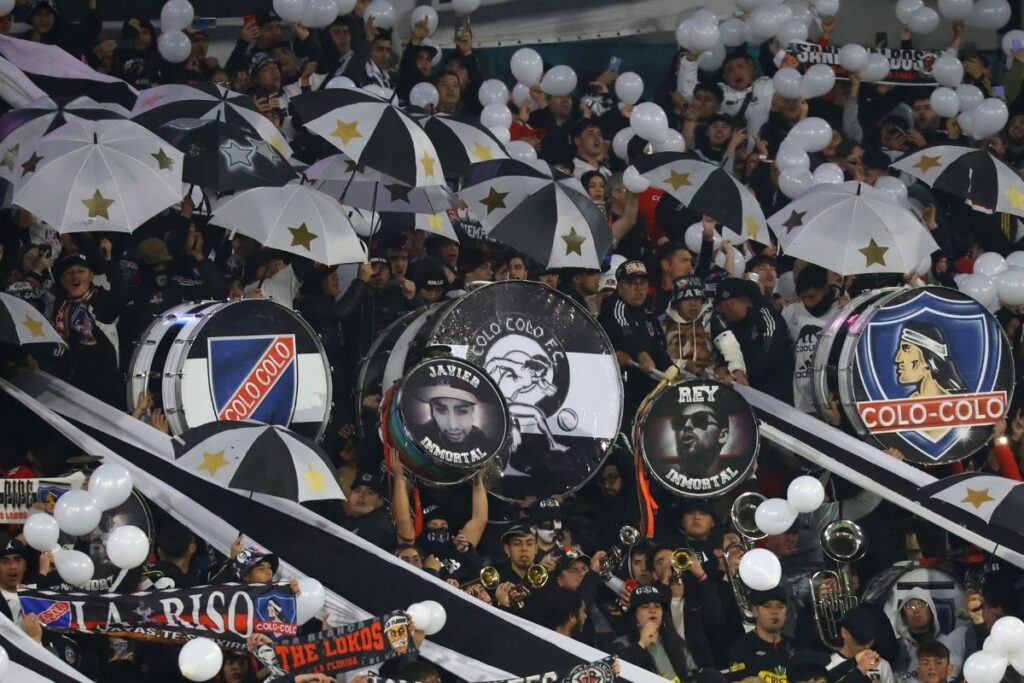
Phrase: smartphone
(461, 27)
(207, 23)
(999, 91)
(615, 64)
(881, 39)
(250, 20)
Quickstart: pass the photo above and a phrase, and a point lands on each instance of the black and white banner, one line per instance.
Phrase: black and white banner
(593, 672)
(20, 496)
(30, 661)
(906, 66)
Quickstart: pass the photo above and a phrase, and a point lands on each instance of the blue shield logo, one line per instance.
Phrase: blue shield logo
(254, 377)
(276, 614)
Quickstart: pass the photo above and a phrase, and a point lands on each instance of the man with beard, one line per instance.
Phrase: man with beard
(816, 298)
(450, 433)
(580, 284)
(700, 434)
(764, 652)
(564, 611)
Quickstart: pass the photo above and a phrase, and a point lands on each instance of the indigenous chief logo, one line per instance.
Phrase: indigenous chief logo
(253, 378)
(275, 615)
(699, 438)
(931, 375)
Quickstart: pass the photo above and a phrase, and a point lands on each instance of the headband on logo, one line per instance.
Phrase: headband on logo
(918, 339)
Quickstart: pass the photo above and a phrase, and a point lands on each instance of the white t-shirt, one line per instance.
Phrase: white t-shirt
(13, 603)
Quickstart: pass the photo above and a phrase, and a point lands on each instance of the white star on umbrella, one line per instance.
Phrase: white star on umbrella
(238, 155)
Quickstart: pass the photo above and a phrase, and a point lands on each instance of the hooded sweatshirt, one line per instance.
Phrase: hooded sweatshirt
(906, 664)
(690, 340)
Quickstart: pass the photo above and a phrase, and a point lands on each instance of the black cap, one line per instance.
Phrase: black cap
(630, 270)
(267, 16)
(260, 60)
(429, 272)
(250, 557)
(66, 261)
(40, 5)
(432, 512)
(760, 597)
(645, 595)
(860, 622)
(760, 260)
(722, 118)
(697, 505)
(372, 481)
(14, 547)
(516, 531)
(378, 255)
(734, 288)
(687, 287)
(545, 510)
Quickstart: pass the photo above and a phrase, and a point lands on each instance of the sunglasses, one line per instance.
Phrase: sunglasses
(698, 420)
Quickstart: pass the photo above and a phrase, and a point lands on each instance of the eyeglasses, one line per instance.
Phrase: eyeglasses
(698, 420)
(915, 606)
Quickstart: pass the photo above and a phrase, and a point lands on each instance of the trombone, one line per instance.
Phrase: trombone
(843, 542)
(489, 579)
(628, 537)
(536, 576)
(682, 560)
(742, 515)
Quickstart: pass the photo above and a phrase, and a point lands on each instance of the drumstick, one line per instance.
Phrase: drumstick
(666, 376)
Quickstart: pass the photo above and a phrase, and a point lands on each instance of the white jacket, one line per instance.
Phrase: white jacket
(762, 90)
(725, 343)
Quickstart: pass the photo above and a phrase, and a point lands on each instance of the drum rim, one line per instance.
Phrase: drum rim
(365, 361)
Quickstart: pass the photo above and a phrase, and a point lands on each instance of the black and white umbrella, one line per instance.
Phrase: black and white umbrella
(259, 458)
(460, 143)
(365, 188)
(23, 127)
(372, 132)
(520, 204)
(21, 323)
(706, 188)
(985, 182)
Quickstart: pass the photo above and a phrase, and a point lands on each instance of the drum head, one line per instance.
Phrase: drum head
(558, 373)
(371, 370)
(698, 438)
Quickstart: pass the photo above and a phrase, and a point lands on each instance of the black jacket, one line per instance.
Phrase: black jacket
(764, 339)
(628, 647)
(376, 310)
(750, 656)
(634, 330)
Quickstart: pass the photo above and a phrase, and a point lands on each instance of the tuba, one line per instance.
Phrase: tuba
(536, 577)
(489, 579)
(742, 515)
(628, 537)
(843, 542)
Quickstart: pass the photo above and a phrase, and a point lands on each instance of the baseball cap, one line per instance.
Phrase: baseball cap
(644, 595)
(516, 531)
(250, 557)
(38, 5)
(14, 547)
(260, 60)
(266, 16)
(734, 288)
(611, 265)
(687, 287)
(429, 272)
(68, 260)
(446, 387)
(152, 251)
(630, 270)
(545, 511)
(378, 256)
(721, 118)
(371, 481)
(860, 622)
(761, 597)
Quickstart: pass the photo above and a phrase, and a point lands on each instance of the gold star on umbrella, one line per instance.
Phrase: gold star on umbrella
(873, 253)
(9, 156)
(98, 205)
(977, 497)
(346, 131)
(434, 221)
(482, 152)
(927, 163)
(302, 237)
(795, 220)
(494, 200)
(30, 164)
(677, 180)
(213, 462)
(574, 242)
(315, 479)
(752, 227)
(164, 161)
(428, 164)
(34, 326)
(1015, 196)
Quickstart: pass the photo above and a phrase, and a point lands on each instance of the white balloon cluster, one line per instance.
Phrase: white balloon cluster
(793, 160)
(916, 16)
(817, 81)
(995, 280)
(648, 120)
(700, 32)
(427, 616)
(200, 659)
(1003, 647)
(775, 515)
(320, 13)
(173, 44)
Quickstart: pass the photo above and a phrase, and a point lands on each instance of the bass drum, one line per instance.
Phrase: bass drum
(371, 370)
(552, 362)
(246, 359)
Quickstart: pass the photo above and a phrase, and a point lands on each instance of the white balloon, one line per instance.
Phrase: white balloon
(793, 182)
(818, 81)
(970, 96)
(923, 21)
(523, 151)
(421, 95)
(683, 32)
(493, 91)
(502, 134)
(989, 14)
(559, 80)
(764, 22)
(629, 87)
(419, 614)
(792, 155)
(127, 547)
(948, 71)
(945, 102)
(378, 91)
(788, 82)
(893, 185)
(520, 94)
(875, 69)
(465, 6)
(383, 13)
(345, 6)
(320, 13)
(496, 116)
(731, 32)
(906, 8)
(310, 599)
(176, 15)
(955, 10)
(830, 174)
(648, 120)
(989, 264)
(110, 485)
(340, 82)
(760, 569)
(620, 143)
(438, 616)
(527, 66)
(989, 117)
(633, 181)
(74, 566)
(774, 516)
(422, 12)
(749, 5)
(290, 10)
(1015, 259)
(965, 120)
(805, 494)
(802, 12)
(853, 57)
(712, 60)
(735, 263)
(792, 31)
(704, 35)
(813, 134)
(984, 667)
(826, 8)
(41, 532)
(1007, 635)
(782, 12)
(77, 512)
(430, 42)
(673, 143)
(6, 7)
(981, 288)
(200, 659)
(174, 46)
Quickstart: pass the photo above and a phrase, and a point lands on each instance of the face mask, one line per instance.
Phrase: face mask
(546, 535)
(437, 543)
(826, 303)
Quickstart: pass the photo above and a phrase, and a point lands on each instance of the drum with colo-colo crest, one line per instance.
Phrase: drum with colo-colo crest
(553, 364)
(246, 359)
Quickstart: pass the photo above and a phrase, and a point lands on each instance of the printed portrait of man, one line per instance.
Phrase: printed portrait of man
(700, 434)
(453, 413)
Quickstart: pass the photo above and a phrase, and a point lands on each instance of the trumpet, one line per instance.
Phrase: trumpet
(536, 577)
(742, 515)
(843, 542)
(682, 560)
(628, 537)
(489, 579)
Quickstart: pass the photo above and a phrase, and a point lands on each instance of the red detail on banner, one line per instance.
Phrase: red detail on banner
(55, 612)
(265, 374)
(933, 412)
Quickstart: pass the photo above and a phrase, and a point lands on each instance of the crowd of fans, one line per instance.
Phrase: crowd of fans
(661, 302)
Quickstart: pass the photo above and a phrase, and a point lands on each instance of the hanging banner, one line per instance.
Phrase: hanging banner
(353, 646)
(906, 67)
(226, 614)
(600, 671)
(20, 496)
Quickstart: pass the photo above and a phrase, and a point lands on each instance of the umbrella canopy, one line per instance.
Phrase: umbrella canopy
(251, 456)
(21, 323)
(295, 218)
(165, 103)
(365, 188)
(99, 175)
(222, 157)
(373, 132)
(707, 189)
(520, 204)
(974, 174)
(23, 127)
(437, 224)
(852, 228)
(460, 143)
